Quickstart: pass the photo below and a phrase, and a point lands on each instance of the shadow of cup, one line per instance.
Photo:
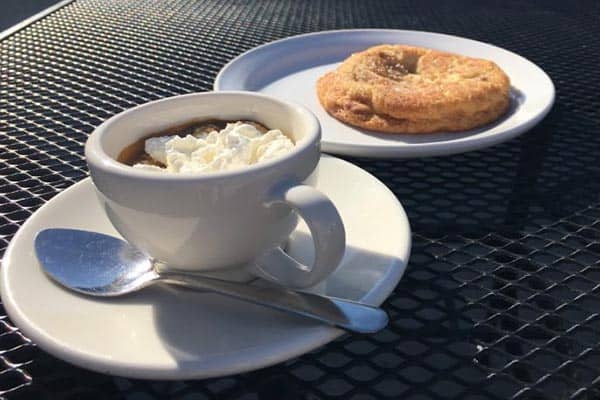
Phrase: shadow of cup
(200, 328)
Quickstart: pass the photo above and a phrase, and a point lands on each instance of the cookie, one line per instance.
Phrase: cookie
(405, 89)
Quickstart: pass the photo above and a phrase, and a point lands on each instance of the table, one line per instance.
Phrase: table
(501, 298)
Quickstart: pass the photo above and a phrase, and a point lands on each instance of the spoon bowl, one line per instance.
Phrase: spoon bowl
(92, 263)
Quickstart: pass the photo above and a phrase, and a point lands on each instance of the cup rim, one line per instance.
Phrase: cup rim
(97, 158)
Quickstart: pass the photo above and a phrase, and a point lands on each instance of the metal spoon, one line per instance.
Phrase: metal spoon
(99, 265)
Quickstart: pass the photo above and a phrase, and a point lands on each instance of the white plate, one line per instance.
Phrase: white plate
(289, 68)
(167, 333)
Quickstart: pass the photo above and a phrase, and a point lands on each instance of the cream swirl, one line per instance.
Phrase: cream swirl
(237, 146)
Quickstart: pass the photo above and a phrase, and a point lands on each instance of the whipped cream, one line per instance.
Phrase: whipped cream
(238, 145)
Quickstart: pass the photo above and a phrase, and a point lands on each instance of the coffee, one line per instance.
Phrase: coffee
(207, 146)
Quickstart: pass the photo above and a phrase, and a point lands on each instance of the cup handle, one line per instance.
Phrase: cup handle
(326, 228)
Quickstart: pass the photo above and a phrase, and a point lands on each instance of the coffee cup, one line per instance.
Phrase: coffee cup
(229, 224)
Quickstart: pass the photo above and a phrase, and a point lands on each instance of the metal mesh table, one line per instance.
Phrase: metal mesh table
(501, 299)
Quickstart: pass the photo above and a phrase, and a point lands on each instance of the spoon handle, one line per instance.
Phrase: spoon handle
(349, 315)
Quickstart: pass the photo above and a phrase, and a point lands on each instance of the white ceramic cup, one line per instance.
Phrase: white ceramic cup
(231, 222)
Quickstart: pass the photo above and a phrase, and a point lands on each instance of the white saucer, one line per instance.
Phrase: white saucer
(167, 333)
(289, 69)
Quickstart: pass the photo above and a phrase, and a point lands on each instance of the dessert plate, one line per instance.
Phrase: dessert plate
(289, 69)
(168, 333)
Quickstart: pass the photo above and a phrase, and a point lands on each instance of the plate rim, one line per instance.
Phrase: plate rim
(442, 148)
(246, 360)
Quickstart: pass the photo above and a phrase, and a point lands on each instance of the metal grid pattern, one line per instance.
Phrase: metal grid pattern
(501, 296)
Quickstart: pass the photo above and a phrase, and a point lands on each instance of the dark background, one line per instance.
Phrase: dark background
(14, 11)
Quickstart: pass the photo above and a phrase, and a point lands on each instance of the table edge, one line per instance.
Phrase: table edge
(28, 21)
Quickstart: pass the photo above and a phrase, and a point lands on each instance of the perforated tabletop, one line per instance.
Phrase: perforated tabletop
(501, 298)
